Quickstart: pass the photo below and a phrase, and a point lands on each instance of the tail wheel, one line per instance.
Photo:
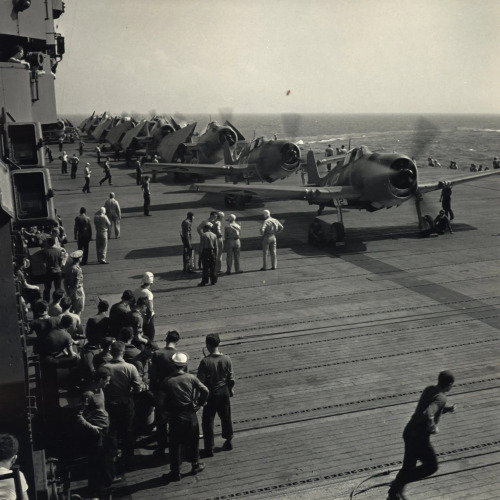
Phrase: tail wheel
(338, 232)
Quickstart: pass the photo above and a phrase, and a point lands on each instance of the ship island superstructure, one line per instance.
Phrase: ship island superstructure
(30, 51)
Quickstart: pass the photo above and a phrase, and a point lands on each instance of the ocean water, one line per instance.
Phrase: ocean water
(465, 139)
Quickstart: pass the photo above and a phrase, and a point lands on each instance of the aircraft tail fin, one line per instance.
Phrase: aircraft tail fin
(174, 123)
(228, 157)
(311, 169)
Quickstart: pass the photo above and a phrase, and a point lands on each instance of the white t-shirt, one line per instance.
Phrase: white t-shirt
(147, 294)
(7, 486)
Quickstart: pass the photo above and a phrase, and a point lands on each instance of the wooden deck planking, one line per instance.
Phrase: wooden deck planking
(371, 323)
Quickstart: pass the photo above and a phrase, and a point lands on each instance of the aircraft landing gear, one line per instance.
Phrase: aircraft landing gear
(321, 233)
(426, 222)
(338, 232)
(337, 228)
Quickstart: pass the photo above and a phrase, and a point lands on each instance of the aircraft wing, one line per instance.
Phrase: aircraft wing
(332, 159)
(169, 144)
(195, 168)
(436, 185)
(312, 194)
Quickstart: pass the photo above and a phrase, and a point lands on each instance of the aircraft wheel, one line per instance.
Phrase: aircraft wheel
(427, 224)
(338, 232)
(229, 201)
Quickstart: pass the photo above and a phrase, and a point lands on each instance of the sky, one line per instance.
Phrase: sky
(280, 56)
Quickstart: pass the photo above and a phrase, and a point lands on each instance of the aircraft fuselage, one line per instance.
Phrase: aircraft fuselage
(381, 180)
(270, 160)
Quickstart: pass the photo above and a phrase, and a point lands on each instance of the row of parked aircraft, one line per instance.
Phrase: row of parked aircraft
(359, 179)
(183, 151)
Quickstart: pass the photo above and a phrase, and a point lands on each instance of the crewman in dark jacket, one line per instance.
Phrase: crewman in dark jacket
(216, 372)
(53, 258)
(417, 435)
(208, 255)
(161, 368)
(180, 397)
(83, 233)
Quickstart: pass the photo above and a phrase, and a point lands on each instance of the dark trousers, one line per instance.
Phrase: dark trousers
(147, 202)
(148, 327)
(184, 431)
(417, 447)
(101, 465)
(218, 403)
(187, 255)
(121, 426)
(83, 244)
(161, 430)
(106, 177)
(447, 209)
(64, 167)
(50, 278)
(138, 178)
(86, 187)
(208, 261)
(73, 171)
(144, 403)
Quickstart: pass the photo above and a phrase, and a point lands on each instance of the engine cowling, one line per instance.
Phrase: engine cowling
(290, 157)
(403, 176)
(228, 135)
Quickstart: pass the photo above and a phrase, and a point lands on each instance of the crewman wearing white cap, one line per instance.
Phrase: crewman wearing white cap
(180, 397)
(269, 230)
(232, 235)
(145, 291)
(73, 282)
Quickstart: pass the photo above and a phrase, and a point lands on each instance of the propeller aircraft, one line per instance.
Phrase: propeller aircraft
(361, 179)
(183, 155)
(261, 159)
(209, 148)
(147, 134)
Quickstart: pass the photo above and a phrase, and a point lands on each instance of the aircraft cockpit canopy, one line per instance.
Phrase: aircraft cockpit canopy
(255, 143)
(355, 154)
